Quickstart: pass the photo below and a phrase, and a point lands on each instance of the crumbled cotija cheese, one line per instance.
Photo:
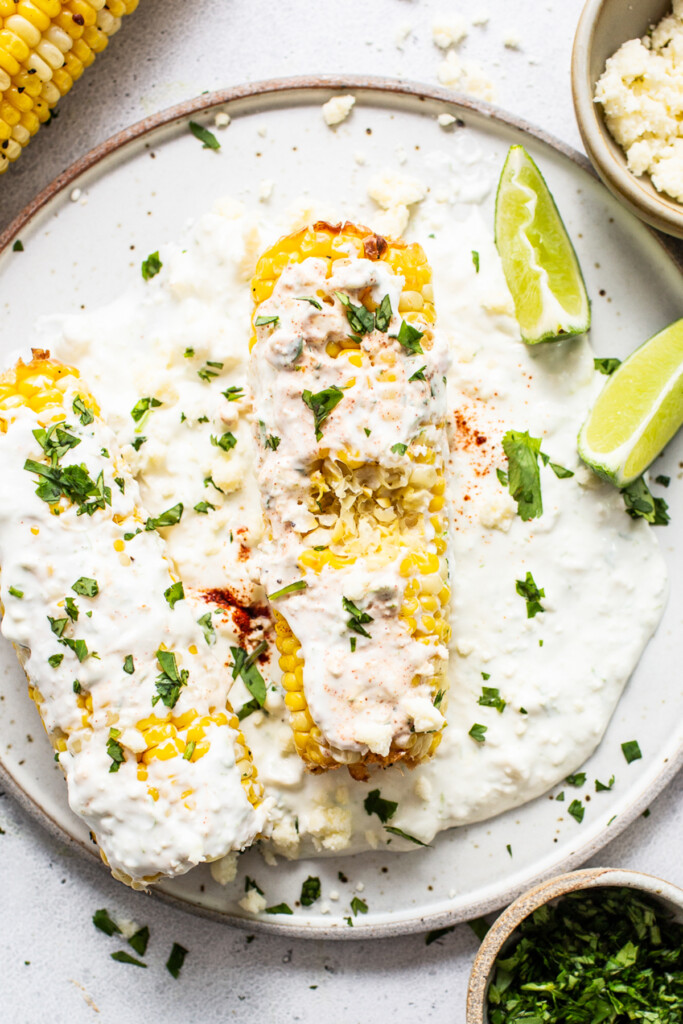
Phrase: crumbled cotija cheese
(337, 109)
(641, 91)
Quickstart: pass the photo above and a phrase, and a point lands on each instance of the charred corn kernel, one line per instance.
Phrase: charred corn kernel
(45, 45)
(401, 523)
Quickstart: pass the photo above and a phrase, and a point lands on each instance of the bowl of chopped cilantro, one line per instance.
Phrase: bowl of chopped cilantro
(598, 946)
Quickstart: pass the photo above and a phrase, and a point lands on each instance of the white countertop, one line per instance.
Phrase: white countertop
(56, 966)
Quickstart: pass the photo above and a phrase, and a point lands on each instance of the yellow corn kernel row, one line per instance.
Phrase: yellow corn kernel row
(45, 46)
(344, 241)
(394, 534)
(40, 385)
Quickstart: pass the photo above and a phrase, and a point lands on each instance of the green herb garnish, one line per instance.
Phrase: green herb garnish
(174, 593)
(532, 594)
(375, 804)
(234, 393)
(418, 375)
(409, 338)
(600, 787)
(606, 366)
(404, 835)
(245, 667)
(358, 906)
(291, 588)
(631, 751)
(399, 448)
(168, 518)
(491, 698)
(272, 441)
(264, 321)
(209, 371)
(640, 503)
(55, 660)
(577, 779)
(139, 940)
(81, 410)
(143, 406)
(85, 587)
(151, 266)
(383, 315)
(475, 260)
(358, 617)
(16, 593)
(438, 933)
(279, 908)
(128, 665)
(115, 750)
(523, 477)
(203, 507)
(361, 320)
(208, 140)
(102, 920)
(321, 405)
(577, 810)
(478, 732)
(170, 682)
(308, 298)
(178, 953)
(310, 891)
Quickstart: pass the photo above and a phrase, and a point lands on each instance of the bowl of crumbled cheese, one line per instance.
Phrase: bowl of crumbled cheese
(601, 944)
(627, 85)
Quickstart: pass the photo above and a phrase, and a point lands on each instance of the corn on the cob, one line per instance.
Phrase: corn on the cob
(117, 659)
(355, 500)
(45, 45)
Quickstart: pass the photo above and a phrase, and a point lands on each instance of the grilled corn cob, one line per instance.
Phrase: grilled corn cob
(116, 654)
(348, 378)
(45, 45)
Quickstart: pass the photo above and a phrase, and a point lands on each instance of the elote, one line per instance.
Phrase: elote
(117, 654)
(347, 372)
(45, 45)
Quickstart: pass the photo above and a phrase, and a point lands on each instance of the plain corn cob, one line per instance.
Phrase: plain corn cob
(378, 517)
(45, 46)
(157, 747)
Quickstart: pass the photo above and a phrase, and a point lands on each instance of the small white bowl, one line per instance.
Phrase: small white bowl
(501, 931)
(603, 26)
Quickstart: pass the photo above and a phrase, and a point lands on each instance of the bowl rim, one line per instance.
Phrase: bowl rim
(572, 881)
(662, 213)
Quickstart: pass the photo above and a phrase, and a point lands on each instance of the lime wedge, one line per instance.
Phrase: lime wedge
(539, 262)
(638, 411)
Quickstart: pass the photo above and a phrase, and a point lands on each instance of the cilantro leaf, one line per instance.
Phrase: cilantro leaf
(321, 405)
(383, 315)
(245, 667)
(176, 958)
(361, 320)
(606, 366)
(475, 260)
(291, 588)
(577, 810)
(641, 504)
(358, 617)
(128, 665)
(631, 751)
(170, 682)
(404, 835)
(207, 138)
(115, 750)
(203, 507)
(311, 300)
(375, 804)
(478, 732)
(310, 891)
(279, 908)
(85, 587)
(491, 698)
(81, 410)
(358, 906)
(409, 338)
(143, 406)
(207, 628)
(578, 779)
(523, 475)
(399, 448)
(102, 920)
(532, 594)
(168, 518)
(175, 593)
(151, 266)
(139, 940)
(600, 787)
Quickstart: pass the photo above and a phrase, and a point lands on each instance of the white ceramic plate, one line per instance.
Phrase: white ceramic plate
(140, 188)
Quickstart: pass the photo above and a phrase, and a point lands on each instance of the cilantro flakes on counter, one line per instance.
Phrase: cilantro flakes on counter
(170, 682)
(176, 959)
(85, 587)
(577, 810)
(375, 804)
(640, 504)
(532, 594)
(480, 928)
(139, 940)
(310, 891)
(125, 958)
(491, 698)
(404, 835)
(321, 405)
(170, 517)
(207, 138)
(174, 593)
(631, 751)
(478, 732)
(151, 266)
(103, 921)
(399, 448)
(599, 956)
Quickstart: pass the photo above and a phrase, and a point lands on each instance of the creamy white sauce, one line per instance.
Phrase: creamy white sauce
(185, 811)
(603, 574)
(371, 691)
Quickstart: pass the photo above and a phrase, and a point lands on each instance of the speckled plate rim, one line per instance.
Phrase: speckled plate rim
(253, 98)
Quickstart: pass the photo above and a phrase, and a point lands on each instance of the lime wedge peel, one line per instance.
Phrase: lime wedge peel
(539, 262)
(638, 411)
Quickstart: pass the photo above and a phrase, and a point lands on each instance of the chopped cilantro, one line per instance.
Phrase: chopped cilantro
(209, 371)
(137, 443)
(76, 686)
(207, 628)
(234, 393)
(321, 405)
(358, 617)
(308, 298)
(143, 406)
(129, 664)
(139, 940)
(18, 246)
(115, 750)
(491, 698)
(577, 810)
(189, 750)
(188, 353)
(418, 375)
(81, 410)
(640, 504)
(203, 507)
(85, 587)
(438, 699)
(532, 594)
(151, 266)
(663, 480)
(272, 441)
(279, 908)
(409, 338)
(174, 593)
(375, 804)
(578, 779)
(600, 787)
(361, 320)
(176, 958)
(358, 906)
(631, 751)
(523, 477)
(399, 448)
(404, 835)
(16, 593)
(605, 365)
(168, 518)
(310, 891)
(264, 321)
(226, 441)
(55, 660)
(383, 315)
(249, 883)
(245, 667)
(209, 141)
(478, 732)
(291, 588)
(71, 608)
(509, 849)
(475, 260)
(102, 920)
(170, 682)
